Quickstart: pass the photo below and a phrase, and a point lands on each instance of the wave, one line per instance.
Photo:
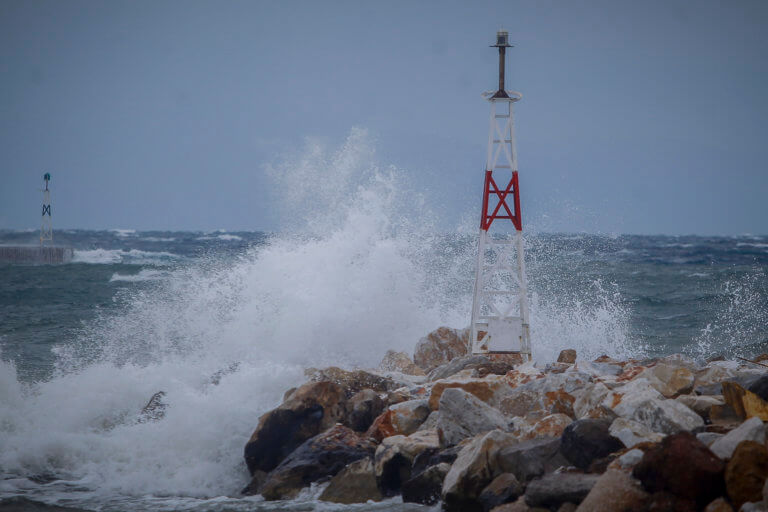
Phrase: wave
(129, 257)
(143, 275)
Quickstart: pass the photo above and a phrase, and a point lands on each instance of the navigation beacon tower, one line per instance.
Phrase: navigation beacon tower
(46, 228)
(500, 302)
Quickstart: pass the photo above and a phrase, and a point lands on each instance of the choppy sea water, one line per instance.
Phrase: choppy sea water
(225, 322)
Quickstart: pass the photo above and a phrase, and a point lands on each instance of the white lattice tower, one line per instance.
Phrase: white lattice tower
(500, 301)
(46, 228)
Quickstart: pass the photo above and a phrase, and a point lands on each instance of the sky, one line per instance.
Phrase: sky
(637, 117)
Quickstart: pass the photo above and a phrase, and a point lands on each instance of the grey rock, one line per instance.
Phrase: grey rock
(631, 432)
(503, 489)
(425, 487)
(666, 416)
(585, 440)
(364, 407)
(557, 488)
(431, 422)
(463, 415)
(395, 455)
(456, 365)
(530, 459)
(354, 484)
(708, 438)
(751, 430)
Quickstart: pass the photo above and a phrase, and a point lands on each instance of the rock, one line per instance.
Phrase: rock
(440, 346)
(719, 505)
(490, 389)
(669, 380)
(155, 408)
(567, 356)
(257, 482)
(531, 459)
(425, 487)
(544, 395)
(589, 403)
(555, 489)
(713, 374)
(744, 403)
(623, 400)
(751, 430)
(462, 415)
(709, 437)
(456, 365)
(408, 416)
(746, 473)
(663, 501)
(364, 407)
(517, 506)
(353, 381)
(311, 409)
(474, 468)
(585, 440)
(431, 422)
(666, 416)
(354, 484)
(759, 506)
(630, 458)
(631, 432)
(502, 489)
(399, 362)
(615, 491)
(549, 426)
(492, 368)
(321, 456)
(395, 455)
(682, 465)
(701, 405)
(760, 387)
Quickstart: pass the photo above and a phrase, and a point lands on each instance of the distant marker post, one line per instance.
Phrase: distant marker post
(46, 228)
(500, 299)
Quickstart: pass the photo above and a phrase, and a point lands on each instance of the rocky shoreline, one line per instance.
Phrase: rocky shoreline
(491, 433)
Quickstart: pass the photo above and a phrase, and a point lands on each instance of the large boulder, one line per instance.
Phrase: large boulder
(352, 381)
(395, 456)
(683, 466)
(666, 416)
(456, 365)
(555, 489)
(549, 426)
(567, 356)
(744, 403)
(462, 415)
(589, 403)
(585, 440)
(440, 346)
(400, 362)
(426, 486)
(354, 484)
(474, 468)
(545, 395)
(321, 456)
(364, 407)
(669, 380)
(701, 404)
(615, 491)
(751, 430)
(311, 409)
(631, 432)
(746, 473)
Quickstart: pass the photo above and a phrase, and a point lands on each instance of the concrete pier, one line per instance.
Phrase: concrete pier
(32, 255)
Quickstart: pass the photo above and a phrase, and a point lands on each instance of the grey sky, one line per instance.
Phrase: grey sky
(637, 117)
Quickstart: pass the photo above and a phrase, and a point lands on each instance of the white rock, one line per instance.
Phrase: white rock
(666, 416)
(631, 458)
(708, 437)
(625, 399)
(588, 403)
(668, 379)
(631, 432)
(463, 415)
(751, 430)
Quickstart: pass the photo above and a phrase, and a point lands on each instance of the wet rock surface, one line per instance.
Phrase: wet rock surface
(425, 487)
(356, 483)
(585, 440)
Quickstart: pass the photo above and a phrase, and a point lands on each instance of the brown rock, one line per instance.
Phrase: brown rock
(744, 402)
(746, 472)
(395, 456)
(719, 505)
(504, 488)
(664, 501)
(399, 362)
(549, 426)
(440, 346)
(762, 357)
(354, 484)
(352, 381)
(490, 390)
(615, 491)
(364, 407)
(684, 466)
(311, 409)
(319, 457)
(567, 356)
(518, 506)
(669, 380)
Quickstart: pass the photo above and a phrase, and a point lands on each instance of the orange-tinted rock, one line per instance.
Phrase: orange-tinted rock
(352, 381)
(549, 426)
(744, 403)
(488, 389)
(399, 362)
(567, 356)
(746, 472)
(440, 346)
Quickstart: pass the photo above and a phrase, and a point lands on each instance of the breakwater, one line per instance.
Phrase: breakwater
(35, 255)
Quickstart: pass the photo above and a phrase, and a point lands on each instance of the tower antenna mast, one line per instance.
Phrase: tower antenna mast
(46, 228)
(500, 300)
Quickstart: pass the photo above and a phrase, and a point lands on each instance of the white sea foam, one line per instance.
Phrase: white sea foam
(123, 232)
(353, 279)
(143, 275)
(132, 256)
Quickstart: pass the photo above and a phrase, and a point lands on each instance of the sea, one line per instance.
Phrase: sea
(224, 322)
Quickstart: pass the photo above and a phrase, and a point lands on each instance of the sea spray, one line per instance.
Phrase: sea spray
(360, 269)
